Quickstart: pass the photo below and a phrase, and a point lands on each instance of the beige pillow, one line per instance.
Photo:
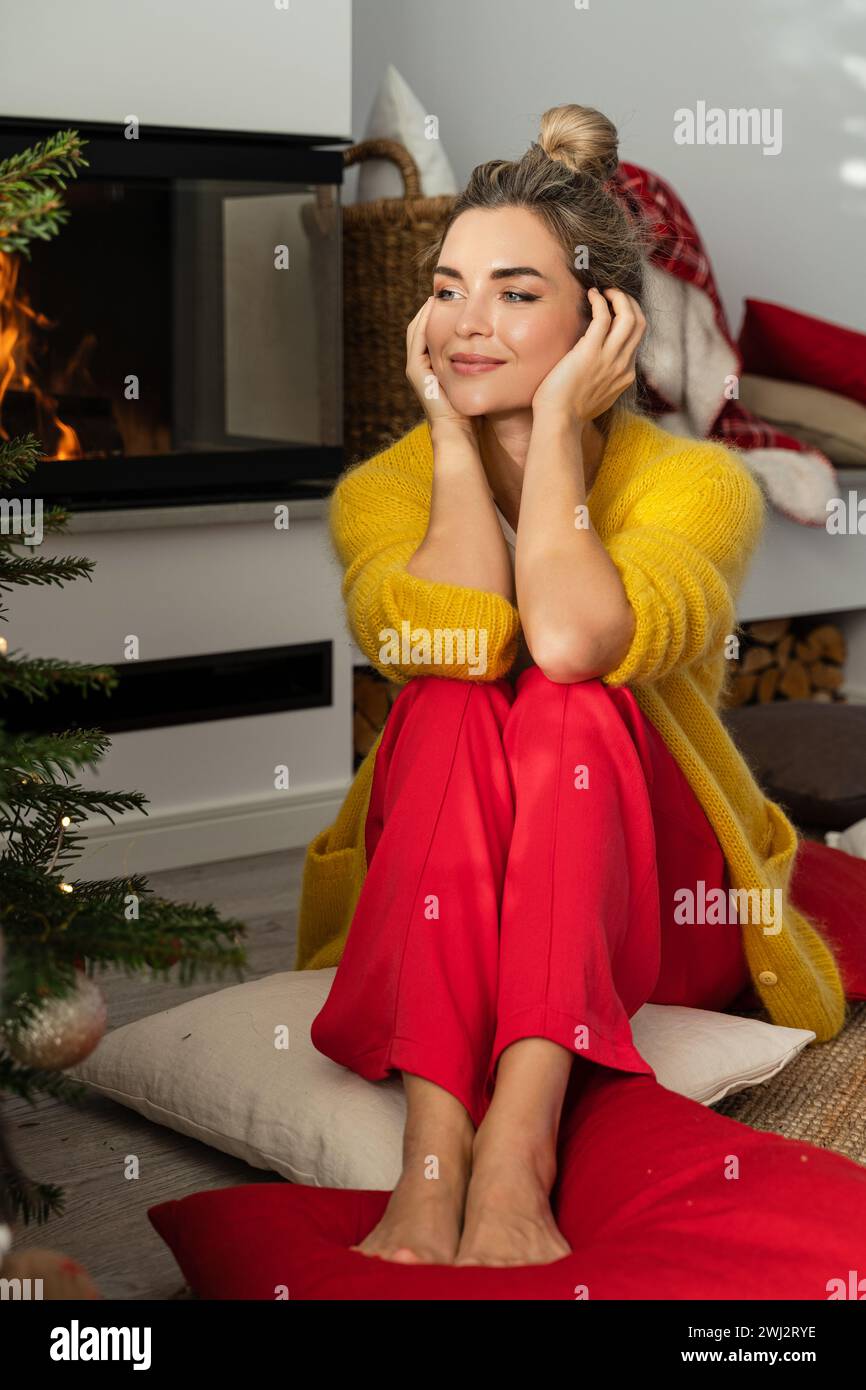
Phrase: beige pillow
(834, 424)
(398, 114)
(210, 1069)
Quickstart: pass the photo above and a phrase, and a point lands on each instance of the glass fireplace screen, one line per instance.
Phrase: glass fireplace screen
(178, 319)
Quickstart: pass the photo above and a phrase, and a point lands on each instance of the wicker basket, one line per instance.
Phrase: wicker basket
(382, 293)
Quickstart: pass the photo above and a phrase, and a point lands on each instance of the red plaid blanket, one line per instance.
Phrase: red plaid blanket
(678, 250)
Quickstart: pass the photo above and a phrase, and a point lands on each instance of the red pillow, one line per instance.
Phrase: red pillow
(782, 343)
(644, 1198)
(830, 887)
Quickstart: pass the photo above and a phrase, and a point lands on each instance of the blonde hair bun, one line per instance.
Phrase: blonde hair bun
(581, 138)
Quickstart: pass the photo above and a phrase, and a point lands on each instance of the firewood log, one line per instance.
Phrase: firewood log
(794, 682)
(829, 641)
(741, 689)
(770, 631)
(757, 659)
(767, 685)
(371, 699)
(363, 735)
(826, 677)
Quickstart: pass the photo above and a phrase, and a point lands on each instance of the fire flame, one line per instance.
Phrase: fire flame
(18, 324)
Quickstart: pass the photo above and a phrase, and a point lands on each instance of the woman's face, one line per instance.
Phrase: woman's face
(489, 302)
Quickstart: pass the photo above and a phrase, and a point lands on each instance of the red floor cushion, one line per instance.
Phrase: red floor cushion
(659, 1197)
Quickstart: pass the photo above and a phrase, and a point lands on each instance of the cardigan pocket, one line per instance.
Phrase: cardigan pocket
(331, 885)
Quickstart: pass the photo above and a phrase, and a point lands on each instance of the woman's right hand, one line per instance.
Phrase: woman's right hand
(425, 383)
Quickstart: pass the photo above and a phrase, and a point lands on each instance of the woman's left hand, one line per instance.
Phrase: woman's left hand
(601, 365)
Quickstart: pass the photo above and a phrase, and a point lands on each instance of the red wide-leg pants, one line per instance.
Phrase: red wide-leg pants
(525, 845)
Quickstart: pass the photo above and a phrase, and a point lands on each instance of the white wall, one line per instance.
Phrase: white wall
(787, 228)
(263, 65)
(187, 590)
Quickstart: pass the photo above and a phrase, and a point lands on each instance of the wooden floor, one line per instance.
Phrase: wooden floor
(82, 1148)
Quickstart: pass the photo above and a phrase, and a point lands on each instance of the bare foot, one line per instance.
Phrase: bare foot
(508, 1220)
(421, 1223)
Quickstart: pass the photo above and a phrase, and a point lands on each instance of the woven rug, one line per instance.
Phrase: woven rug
(819, 1098)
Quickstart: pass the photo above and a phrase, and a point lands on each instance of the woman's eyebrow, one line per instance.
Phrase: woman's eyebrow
(506, 274)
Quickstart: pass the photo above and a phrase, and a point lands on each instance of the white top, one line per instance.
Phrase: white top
(508, 532)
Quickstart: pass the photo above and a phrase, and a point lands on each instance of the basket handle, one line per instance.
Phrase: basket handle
(387, 149)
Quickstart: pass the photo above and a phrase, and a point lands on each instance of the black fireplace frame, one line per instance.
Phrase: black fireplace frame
(192, 478)
(179, 690)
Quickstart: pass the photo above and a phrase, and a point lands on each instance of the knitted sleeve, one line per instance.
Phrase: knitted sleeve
(681, 553)
(407, 626)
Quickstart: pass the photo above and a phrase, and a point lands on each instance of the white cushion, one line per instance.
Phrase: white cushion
(397, 114)
(210, 1069)
(852, 840)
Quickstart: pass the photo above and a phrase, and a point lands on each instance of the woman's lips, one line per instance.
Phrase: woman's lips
(473, 368)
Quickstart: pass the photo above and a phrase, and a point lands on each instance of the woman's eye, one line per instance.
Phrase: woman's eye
(519, 296)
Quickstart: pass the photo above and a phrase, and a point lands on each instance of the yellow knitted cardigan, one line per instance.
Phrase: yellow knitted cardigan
(680, 519)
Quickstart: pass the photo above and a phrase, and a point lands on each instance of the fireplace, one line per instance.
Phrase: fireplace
(178, 340)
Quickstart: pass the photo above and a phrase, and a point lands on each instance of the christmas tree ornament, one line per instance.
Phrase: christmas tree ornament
(64, 1031)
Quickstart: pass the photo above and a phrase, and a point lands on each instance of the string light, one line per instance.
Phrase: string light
(64, 822)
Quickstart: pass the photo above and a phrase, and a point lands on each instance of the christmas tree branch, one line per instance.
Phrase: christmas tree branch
(18, 458)
(32, 1082)
(40, 757)
(28, 210)
(34, 1201)
(40, 569)
(39, 677)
